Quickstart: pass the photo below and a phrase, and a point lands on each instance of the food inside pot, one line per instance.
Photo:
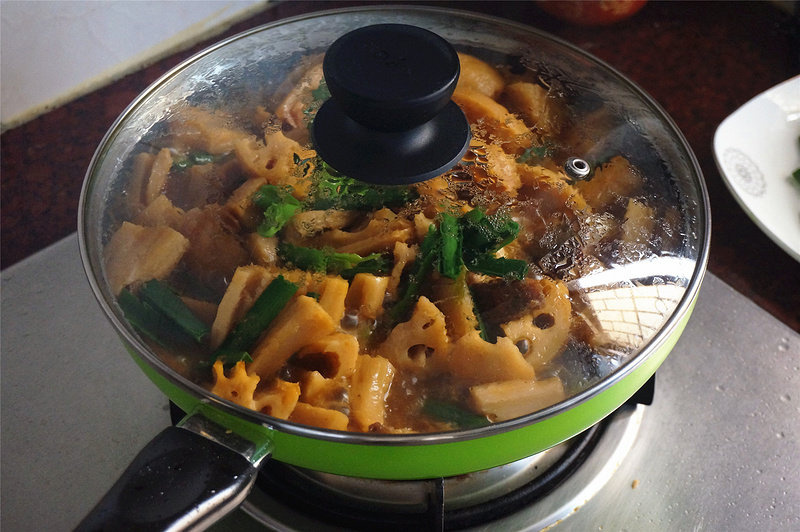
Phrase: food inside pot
(255, 269)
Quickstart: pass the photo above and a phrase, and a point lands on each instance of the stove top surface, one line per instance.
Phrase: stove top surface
(717, 449)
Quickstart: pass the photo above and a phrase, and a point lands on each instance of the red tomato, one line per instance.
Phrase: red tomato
(591, 12)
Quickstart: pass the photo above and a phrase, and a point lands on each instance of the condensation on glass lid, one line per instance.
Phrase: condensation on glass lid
(530, 271)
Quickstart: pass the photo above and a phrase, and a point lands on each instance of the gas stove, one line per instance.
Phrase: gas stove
(716, 450)
(533, 493)
(540, 490)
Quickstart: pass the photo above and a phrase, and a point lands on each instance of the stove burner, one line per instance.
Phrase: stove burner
(300, 490)
(530, 494)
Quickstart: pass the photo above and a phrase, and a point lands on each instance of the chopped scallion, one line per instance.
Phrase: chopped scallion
(265, 309)
(143, 318)
(161, 297)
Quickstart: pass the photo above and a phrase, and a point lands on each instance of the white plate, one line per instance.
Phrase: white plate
(757, 149)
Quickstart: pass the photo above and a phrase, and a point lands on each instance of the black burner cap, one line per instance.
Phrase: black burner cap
(390, 120)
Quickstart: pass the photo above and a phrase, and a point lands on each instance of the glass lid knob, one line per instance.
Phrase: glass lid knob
(390, 119)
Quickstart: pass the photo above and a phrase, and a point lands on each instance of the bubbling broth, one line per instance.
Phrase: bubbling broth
(255, 269)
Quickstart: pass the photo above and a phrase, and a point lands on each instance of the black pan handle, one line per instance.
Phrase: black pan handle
(182, 480)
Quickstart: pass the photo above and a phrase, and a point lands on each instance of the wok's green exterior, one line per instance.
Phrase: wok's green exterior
(433, 459)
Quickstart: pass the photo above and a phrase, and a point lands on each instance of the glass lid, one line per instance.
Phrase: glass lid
(549, 260)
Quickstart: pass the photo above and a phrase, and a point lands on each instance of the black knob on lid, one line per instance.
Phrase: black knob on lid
(390, 119)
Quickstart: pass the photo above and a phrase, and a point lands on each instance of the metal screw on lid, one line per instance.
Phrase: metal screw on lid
(577, 168)
(390, 120)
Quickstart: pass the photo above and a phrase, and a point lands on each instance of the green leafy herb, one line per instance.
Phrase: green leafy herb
(482, 236)
(332, 190)
(498, 266)
(278, 205)
(321, 93)
(265, 309)
(304, 258)
(470, 241)
(327, 260)
(429, 250)
(161, 297)
(450, 250)
(454, 414)
(375, 264)
(338, 262)
(486, 234)
(534, 154)
(318, 97)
